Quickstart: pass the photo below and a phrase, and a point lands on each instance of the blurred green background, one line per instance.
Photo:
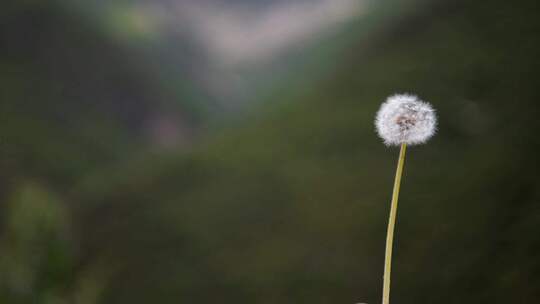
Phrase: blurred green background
(217, 151)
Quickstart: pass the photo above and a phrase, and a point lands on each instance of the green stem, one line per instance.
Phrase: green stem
(391, 225)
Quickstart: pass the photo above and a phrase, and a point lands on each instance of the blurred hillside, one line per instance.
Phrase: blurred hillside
(233, 53)
(290, 204)
(72, 97)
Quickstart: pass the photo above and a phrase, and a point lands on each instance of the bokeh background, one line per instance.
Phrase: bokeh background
(220, 151)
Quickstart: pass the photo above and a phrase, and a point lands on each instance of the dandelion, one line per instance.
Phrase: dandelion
(402, 120)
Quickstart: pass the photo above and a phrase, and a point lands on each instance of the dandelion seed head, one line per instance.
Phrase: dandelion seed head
(404, 118)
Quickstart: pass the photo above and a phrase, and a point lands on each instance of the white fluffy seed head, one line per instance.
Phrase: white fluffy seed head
(404, 118)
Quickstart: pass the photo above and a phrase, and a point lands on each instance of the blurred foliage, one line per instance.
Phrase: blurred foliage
(38, 252)
(290, 205)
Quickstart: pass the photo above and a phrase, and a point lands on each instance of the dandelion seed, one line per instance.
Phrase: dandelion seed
(405, 119)
(402, 120)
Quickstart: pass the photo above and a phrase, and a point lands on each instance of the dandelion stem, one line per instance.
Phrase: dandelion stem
(391, 225)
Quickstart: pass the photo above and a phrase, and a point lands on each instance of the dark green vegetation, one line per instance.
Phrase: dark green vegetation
(290, 206)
